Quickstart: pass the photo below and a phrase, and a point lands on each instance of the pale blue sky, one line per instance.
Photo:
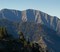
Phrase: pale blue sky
(51, 7)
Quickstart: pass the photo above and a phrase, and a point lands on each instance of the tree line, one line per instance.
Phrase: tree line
(9, 44)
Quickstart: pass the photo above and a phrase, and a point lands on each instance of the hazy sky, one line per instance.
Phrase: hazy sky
(51, 7)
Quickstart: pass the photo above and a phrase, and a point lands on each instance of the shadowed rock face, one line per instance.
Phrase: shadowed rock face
(34, 24)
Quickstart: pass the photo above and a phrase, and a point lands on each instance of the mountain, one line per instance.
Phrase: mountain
(31, 15)
(38, 26)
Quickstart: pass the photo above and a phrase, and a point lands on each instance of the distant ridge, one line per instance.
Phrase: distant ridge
(30, 15)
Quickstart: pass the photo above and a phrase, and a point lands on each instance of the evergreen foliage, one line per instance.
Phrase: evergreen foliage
(7, 44)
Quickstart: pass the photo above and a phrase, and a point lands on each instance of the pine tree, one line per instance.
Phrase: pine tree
(21, 36)
(2, 33)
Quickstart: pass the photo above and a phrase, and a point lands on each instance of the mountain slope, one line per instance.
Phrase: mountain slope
(36, 25)
(31, 15)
